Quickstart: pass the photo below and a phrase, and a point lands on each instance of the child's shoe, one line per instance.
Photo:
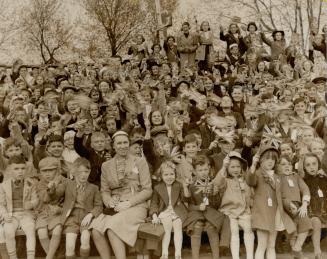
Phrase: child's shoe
(319, 256)
(178, 257)
(164, 257)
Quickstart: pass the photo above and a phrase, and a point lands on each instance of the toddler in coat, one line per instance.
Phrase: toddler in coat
(167, 207)
(235, 203)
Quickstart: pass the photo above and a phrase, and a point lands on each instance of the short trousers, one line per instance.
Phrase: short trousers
(73, 222)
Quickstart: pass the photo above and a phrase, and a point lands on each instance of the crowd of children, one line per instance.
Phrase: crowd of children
(180, 134)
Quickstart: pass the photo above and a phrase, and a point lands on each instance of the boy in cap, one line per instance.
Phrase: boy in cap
(50, 189)
(18, 199)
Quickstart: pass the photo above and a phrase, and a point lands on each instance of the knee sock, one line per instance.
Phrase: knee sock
(11, 249)
(84, 253)
(53, 246)
(12, 255)
(214, 242)
(235, 246)
(31, 254)
(3, 251)
(45, 243)
(196, 242)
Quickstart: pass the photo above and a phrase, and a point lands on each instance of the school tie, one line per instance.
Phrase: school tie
(81, 187)
(17, 183)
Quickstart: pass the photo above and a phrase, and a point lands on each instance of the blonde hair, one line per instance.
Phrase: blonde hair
(166, 165)
(317, 141)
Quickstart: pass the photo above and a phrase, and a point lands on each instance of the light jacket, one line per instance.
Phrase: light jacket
(30, 197)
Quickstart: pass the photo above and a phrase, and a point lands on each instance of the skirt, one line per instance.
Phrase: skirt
(124, 224)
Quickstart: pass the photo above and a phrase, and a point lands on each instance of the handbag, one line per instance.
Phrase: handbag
(109, 211)
(151, 231)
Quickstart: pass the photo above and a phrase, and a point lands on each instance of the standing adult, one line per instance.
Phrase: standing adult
(187, 43)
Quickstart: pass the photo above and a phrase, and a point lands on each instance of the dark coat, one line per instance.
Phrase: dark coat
(96, 159)
(160, 200)
(230, 39)
(207, 136)
(239, 108)
(92, 203)
(318, 205)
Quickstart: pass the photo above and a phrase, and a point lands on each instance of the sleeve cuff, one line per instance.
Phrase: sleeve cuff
(306, 198)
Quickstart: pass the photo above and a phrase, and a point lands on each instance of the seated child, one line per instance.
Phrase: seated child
(18, 199)
(190, 149)
(3, 248)
(82, 203)
(203, 209)
(235, 203)
(296, 197)
(317, 209)
(51, 145)
(69, 154)
(167, 208)
(50, 190)
(13, 147)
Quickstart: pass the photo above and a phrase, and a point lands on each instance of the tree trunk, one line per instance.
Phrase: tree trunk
(113, 50)
(301, 25)
(319, 14)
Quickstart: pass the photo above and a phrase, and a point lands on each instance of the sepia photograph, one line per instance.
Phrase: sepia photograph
(160, 129)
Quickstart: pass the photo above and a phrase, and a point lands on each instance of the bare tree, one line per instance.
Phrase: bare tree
(44, 30)
(119, 20)
(8, 24)
(295, 16)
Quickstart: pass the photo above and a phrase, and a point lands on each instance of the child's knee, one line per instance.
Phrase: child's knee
(199, 225)
(57, 230)
(9, 230)
(234, 228)
(85, 238)
(271, 244)
(2, 234)
(42, 233)
(316, 222)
